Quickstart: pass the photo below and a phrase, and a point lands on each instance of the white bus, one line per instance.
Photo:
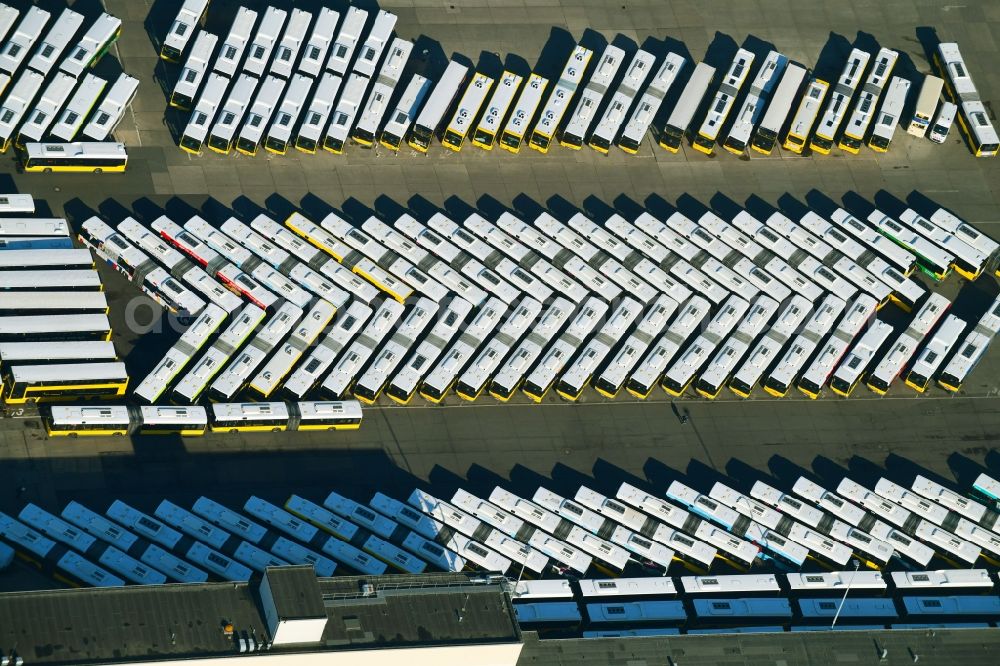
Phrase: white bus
(614, 375)
(350, 362)
(650, 370)
(927, 104)
(559, 99)
(902, 259)
(524, 112)
(717, 373)
(220, 139)
(343, 116)
(378, 37)
(753, 106)
(966, 232)
(27, 32)
(78, 108)
(971, 350)
(7, 17)
(850, 373)
(470, 384)
(347, 41)
(111, 109)
(310, 132)
(231, 54)
(406, 110)
(722, 104)
(92, 47)
(839, 100)
(15, 105)
(682, 372)
(259, 115)
(591, 98)
(376, 376)
(466, 111)
(968, 261)
(650, 102)
(864, 108)
(932, 356)
(318, 45)
(348, 324)
(376, 106)
(259, 53)
(548, 369)
(56, 40)
(766, 134)
(279, 134)
(683, 113)
(931, 260)
(195, 68)
(855, 318)
(302, 337)
(185, 25)
(37, 122)
(889, 114)
(805, 116)
(905, 345)
(496, 110)
(938, 132)
(617, 111)
(427, 123)
(291, 41)
(444, 375)
(421, 360)
(585, 364)
(204, 112)
(240, 327)
(783, 375)
(517, 366)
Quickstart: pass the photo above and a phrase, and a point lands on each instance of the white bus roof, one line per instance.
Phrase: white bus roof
(109, 113)
(7, 17)
(347, 40)
(235, 43)
(694, 91)
(235, 106)
(45, 111)
(441, 96)
(15, 104)
(318, 44)
(291, 41)
(263, 42)
(184, 25)
(102, 31)
(207, 107)
(78, 108)
(25, 35)
(378, 36)
(53, 300)
(68, 371)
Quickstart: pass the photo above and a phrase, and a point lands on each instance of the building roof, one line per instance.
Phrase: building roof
(111, 625)
(295, 592)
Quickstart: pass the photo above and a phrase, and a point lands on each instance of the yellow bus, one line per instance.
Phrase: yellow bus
(93, 157)
(805, 116)
(496, 111)
(63, 381)
(560, 99)
(468, 108)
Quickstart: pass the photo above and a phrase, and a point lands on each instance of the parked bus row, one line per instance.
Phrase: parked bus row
(49, 94)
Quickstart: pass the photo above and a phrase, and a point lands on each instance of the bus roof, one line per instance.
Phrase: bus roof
(68, 371)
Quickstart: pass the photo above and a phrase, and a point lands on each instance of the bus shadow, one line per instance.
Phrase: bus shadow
(659, 207)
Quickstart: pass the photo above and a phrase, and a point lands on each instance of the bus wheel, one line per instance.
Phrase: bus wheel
(275, 429)
(234, 430)
(74, 434)
(98, 170)
(47, 170)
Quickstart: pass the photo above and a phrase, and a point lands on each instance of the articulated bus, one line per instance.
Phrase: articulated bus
(348, 324)
(971, 350)
(56, 40)
(649, 372)
(927, 104)
(27, 32)
(786, 371)
(840, 99)
(259, 53)
(560, 99)
(91, 48)
(287, 51)
(279, 134)
(905, 345)
(617, 110)
(496, 110)
(421, 360)
(682, 114)
(953, 501)
(614, 375)
(889, 114)
(683, 370)
(524, 112)
(864, 108)
(318, 44)
(347, 40)
(470, 384)
(259, 115)
(850, 373)
(968, 261)
(585, 364)
(78, 108)
(278, 416)
(718, 371)
(933, 354)
(15, 105)
(184, 25)
(722, 104)
(932, 260)
(405, 112)
(376, 376)
(343, 116)
(467, 111)
(366, 131)
(427, 123)
(593, 94)
(220, 139)
(545, 372)
(111, 109)
(195, 68)
(972, 118)
(302, 338)
(753, 106)
(766, 134)
(805, 116)
(444, 375)
(516, 367)
(650, 102)
(231, 54)
(310, 132)
(204, 112)
(339, 381)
